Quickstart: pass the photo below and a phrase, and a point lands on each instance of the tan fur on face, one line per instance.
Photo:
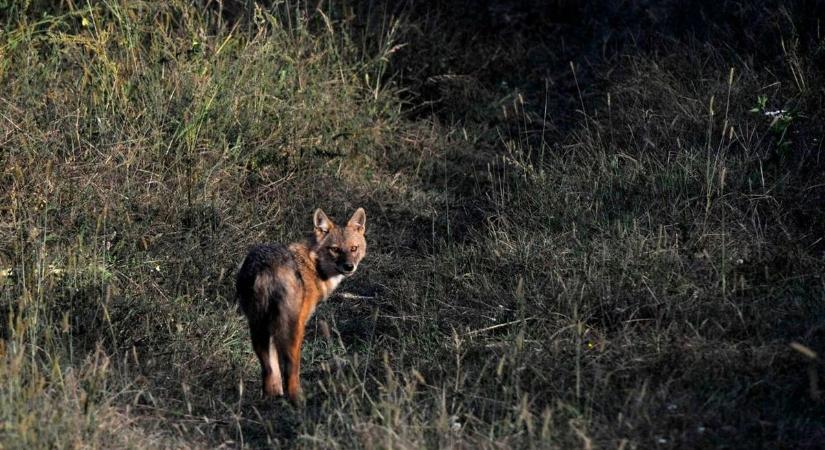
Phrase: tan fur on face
(339, 246)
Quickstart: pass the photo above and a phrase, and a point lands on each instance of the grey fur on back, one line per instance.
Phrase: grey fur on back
(257, 290)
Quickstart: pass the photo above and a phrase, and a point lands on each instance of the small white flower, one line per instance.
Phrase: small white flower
(455, 425)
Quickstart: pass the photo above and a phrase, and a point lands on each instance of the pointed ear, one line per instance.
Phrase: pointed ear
(358, 220)
(322, 222)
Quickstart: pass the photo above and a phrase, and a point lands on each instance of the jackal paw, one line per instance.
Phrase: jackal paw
(273, 390)
(297, 397)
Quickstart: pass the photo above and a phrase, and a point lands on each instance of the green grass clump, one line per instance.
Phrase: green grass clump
(602, 229)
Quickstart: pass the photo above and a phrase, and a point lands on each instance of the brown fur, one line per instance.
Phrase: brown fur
(279, 288)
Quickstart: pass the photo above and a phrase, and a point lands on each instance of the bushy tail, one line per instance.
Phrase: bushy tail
(256, 288)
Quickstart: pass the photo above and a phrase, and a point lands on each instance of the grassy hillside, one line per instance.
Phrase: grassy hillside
(590, 224)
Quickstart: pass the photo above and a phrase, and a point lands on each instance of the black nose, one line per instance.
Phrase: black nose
(348, 267)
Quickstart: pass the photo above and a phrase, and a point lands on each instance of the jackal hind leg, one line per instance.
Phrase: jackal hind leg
(289, 348)
(268, 357)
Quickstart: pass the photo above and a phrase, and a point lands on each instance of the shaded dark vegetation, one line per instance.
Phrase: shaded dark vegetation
(586, 228)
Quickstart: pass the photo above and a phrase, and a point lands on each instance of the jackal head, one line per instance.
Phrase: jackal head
(340, 249)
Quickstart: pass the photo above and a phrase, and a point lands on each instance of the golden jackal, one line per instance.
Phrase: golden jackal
(278, 288)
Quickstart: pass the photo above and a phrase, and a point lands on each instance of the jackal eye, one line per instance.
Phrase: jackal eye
(354, 248)
(334, 249)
